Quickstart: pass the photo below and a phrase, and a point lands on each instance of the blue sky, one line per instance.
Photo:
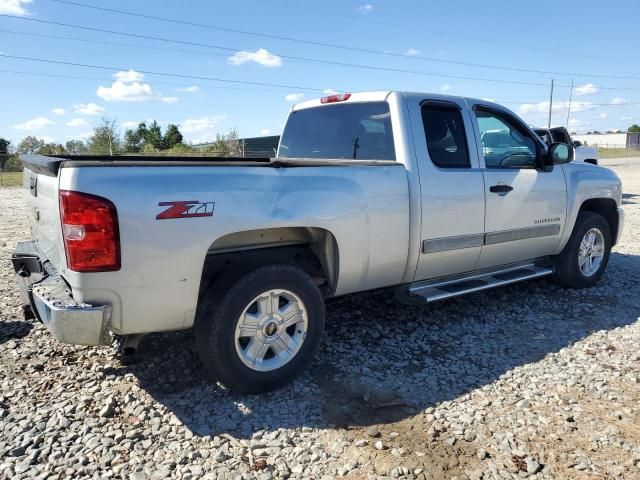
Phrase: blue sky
(571, 38)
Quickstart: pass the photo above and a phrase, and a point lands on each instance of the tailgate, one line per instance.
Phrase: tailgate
(41, 190)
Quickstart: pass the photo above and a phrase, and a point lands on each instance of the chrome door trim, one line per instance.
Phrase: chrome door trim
(521, 234)
(478, 240)
(452, 243)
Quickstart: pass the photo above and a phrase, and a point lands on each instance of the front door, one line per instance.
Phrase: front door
(451, 186)
(525, 206)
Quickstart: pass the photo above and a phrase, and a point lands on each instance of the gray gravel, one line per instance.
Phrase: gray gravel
(529, 381)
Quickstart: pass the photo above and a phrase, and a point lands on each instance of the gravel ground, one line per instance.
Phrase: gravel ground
(531, 381)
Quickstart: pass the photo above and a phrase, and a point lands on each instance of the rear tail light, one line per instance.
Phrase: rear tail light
(90, 232)
(341, 97)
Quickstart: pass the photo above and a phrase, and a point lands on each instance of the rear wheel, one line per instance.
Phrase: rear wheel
(262, 331)
(585, 257)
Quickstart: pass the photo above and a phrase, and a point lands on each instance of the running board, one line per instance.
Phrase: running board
(475, 282)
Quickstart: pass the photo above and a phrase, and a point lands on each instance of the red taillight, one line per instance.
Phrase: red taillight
(340, 97)
(90, 232)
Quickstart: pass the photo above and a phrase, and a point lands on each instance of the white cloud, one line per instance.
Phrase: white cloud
(619, 101)
(77, 122)
(260, 56)
(586, 89)
(190, 89)
(204, 138)
(329, 91)
(130, 124)
(129, 76)
(265, 131)
(412, 52)
(80, 136)
(366, 8)
(294, 97)
(603, 115)
(34, 124)
(626, 118)
(445, 88)
(88, 109)
(543, 107)
(128, 87)
(14, 7)
(192, 125)
(59, 111)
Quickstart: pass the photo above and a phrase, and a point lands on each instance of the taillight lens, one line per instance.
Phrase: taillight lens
(341, 97)
(90, 232)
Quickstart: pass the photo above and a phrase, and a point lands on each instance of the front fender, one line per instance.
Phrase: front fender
(584, 182)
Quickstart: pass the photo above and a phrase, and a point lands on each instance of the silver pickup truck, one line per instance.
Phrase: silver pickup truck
(367, 190)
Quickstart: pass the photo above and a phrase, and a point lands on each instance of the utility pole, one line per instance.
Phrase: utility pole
(570, 98)
(550, 104)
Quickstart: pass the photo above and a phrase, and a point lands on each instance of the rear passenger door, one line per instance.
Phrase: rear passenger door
(452, 188)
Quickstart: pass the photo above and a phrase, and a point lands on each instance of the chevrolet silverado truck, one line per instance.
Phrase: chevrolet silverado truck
(581, 153)
(367, 190)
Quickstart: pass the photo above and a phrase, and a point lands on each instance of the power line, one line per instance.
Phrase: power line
(82, 77)
(166, 74)
(333, 45)
(290, 57)
(448, 33)
(107, 79)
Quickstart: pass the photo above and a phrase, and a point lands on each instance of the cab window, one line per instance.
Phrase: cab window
(505, 144)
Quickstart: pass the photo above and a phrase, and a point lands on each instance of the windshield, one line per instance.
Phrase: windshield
(359, 131)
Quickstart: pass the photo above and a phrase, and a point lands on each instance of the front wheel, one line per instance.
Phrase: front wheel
(262, 331)
(585, 257)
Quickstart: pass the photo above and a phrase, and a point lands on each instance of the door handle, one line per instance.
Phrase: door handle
(501, 188)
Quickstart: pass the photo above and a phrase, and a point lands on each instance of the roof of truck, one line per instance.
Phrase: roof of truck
(382, 95)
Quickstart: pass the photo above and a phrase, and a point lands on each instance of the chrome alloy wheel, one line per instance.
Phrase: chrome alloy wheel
(591, 252)
(271, 330)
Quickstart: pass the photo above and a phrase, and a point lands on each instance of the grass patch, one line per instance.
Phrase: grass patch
(618, 152)
(10, 179)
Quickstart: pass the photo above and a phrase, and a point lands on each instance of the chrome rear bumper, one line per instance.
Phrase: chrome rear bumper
(51, 300)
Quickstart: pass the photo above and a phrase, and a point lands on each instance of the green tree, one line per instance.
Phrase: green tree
(225, 145)
(30, 145)
(4, 152)
(52, 149)
(154, 136)
(635, 128)
(105, 139)
(75, 147)
(172, 136)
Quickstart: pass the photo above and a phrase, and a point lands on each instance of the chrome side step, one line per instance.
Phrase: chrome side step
(452, 287)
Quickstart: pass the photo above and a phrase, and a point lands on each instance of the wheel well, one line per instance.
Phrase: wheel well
(608, 209)
(313, 250)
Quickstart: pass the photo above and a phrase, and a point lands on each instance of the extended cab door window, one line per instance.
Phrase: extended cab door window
(446, 138)
(505, 144)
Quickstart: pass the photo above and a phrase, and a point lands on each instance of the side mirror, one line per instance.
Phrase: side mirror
(577, 143)
(559, 153)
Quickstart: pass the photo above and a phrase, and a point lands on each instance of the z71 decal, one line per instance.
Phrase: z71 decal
(185, 209)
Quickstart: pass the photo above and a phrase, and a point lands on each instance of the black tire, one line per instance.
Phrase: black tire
(568, 272)
(218, 315)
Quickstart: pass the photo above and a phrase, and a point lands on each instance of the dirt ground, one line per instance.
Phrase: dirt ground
(532, 380)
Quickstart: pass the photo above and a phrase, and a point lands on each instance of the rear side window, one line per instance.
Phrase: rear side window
(446, 138)
(358, 131)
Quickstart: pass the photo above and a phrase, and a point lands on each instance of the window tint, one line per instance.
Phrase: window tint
(446, 140)
(360, 131)
(504, 144)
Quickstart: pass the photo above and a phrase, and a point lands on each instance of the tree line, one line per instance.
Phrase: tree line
(105, 139)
